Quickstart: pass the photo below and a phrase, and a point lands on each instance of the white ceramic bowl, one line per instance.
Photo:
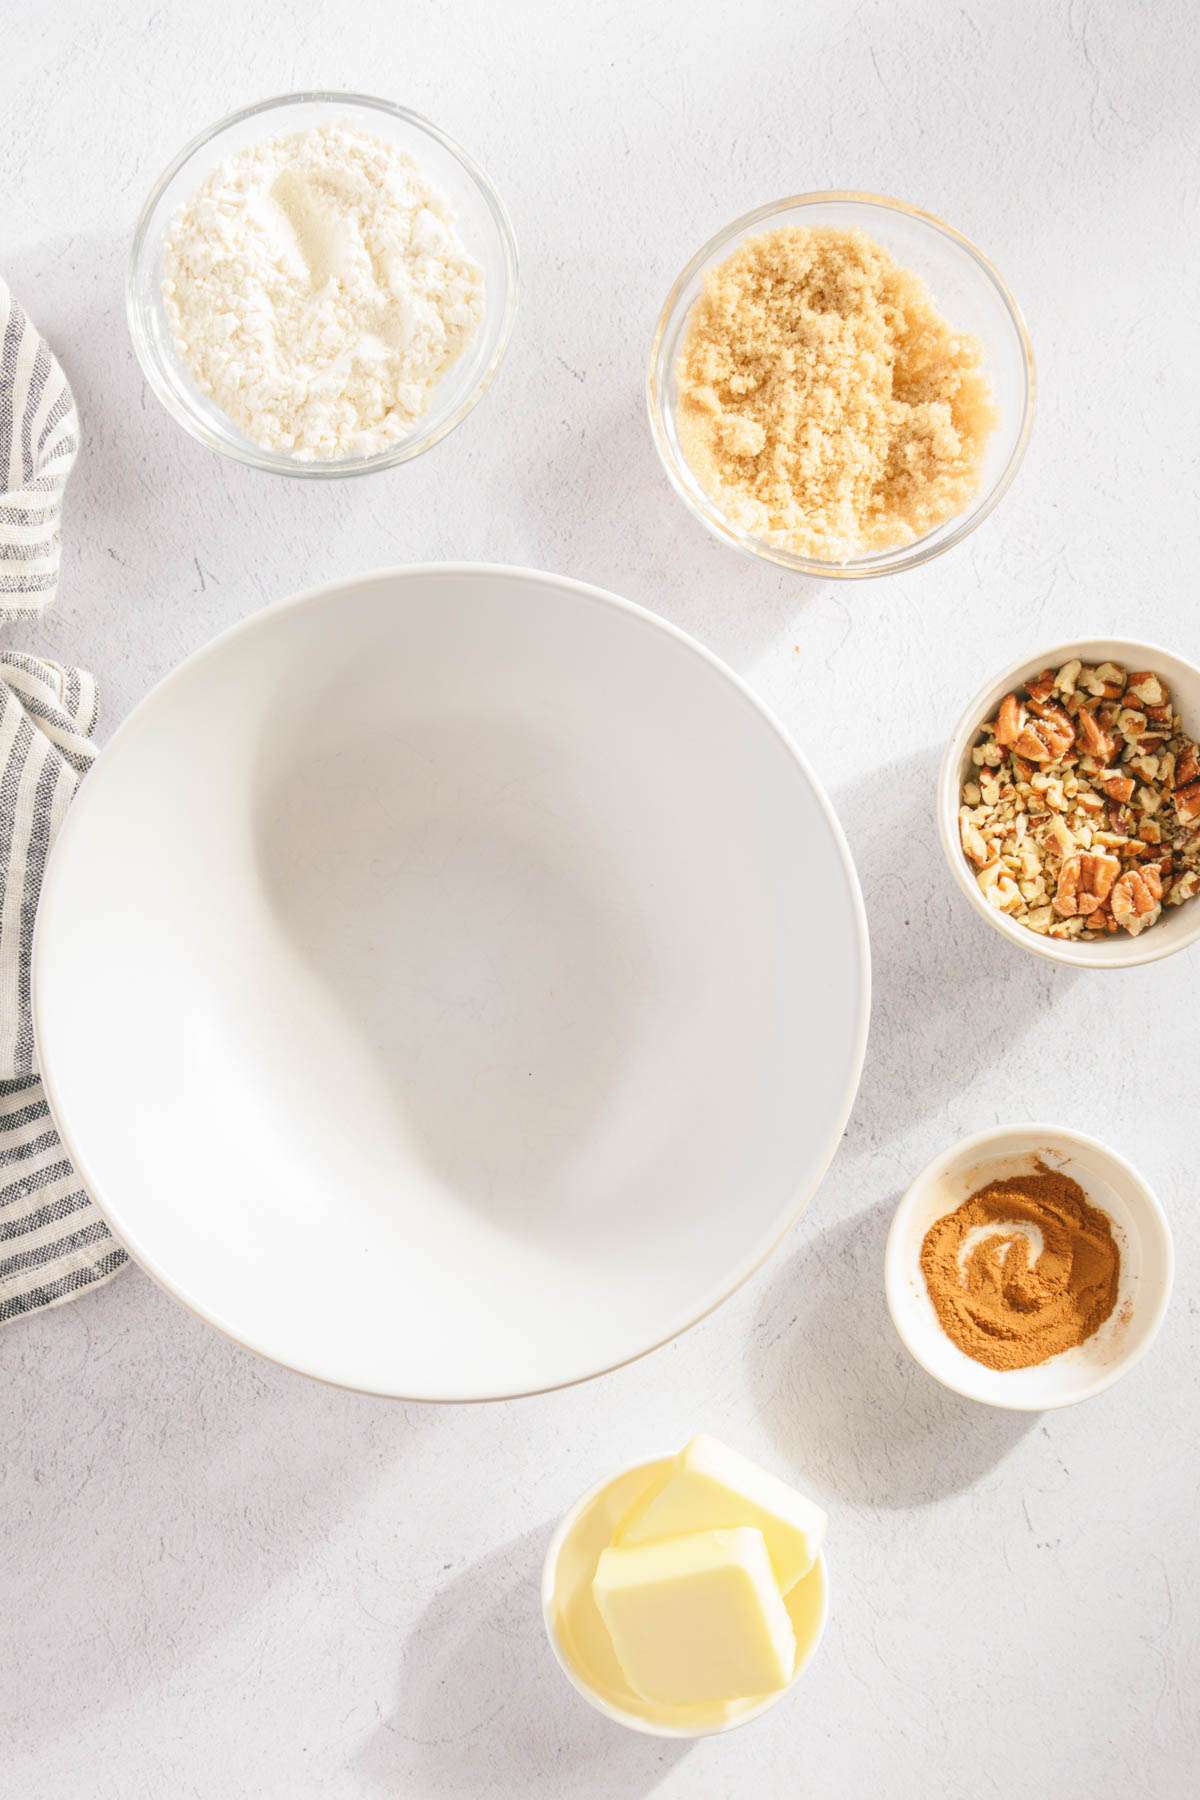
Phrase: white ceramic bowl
(966, 287)
(580, 1641)
(451, 983)
(483, 224)
(1179, 926)
(1140, 1227)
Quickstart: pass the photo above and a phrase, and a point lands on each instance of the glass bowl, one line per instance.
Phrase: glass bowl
(966, 289)
(482, 222)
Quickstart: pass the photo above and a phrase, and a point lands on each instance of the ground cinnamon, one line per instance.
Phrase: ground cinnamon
(1001, 1301)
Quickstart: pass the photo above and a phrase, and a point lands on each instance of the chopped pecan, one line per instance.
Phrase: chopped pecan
(1187, 803)
(1084, 883)
(998, 888)
(972, 839)
(1064, 805)
(1106, 680)
(1045, 739)
(1009, 721)
(1093, 740)
(1147, 687)
(1137, 898)
(1061, 836)
(1117, 786)
(1187, 764)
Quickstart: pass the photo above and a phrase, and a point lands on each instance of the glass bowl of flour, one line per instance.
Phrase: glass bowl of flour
(322, 285)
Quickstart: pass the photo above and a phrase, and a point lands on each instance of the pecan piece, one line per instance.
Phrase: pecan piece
(1106, 680)
(999, 889)
(1145, 686)
(972, 839)
(1093, 739)
(1118, 787)
(1084, 883)
(1040, 687)
(1009, 721)
(1187, 803)
(1046, 738)
(1137, 898)
(1187, 764)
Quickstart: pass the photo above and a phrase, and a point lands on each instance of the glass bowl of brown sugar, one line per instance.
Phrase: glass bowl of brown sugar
(1096, 1275)
(841, 384)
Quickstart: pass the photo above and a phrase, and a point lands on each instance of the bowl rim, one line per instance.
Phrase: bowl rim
(588, 593)
(634, 1721)
(273, 462)
(976, 1144)
(1068, 951)
(885, 562)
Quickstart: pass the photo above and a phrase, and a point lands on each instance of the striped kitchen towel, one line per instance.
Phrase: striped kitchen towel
(53, 1241)
(39, 434)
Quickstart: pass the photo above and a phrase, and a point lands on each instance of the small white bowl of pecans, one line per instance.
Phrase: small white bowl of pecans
(1069, 803)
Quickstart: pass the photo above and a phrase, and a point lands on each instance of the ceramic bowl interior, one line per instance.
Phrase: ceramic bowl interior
(451, 983)
(1139, 1225)
(580, 1641)
(483, 225)
(971, 296)
(1178, 926)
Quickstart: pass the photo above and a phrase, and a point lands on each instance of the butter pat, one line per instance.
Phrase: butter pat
(711, 1487)
(696, 1618)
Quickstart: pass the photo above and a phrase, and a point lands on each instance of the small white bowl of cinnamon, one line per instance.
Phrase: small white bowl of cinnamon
(1028, 1267)
(1068, 803)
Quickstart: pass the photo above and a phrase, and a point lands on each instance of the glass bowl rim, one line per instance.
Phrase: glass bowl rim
(885, 562)
(277, 462)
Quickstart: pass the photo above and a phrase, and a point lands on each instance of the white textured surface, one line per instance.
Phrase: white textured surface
(218, 1580)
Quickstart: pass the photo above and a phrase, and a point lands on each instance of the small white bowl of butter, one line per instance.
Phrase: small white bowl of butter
(576, 1628)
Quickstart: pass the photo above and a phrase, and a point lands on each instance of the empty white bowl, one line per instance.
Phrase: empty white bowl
(1139, 1226)
(579, 1638)
(451, 983)
(1179, 926)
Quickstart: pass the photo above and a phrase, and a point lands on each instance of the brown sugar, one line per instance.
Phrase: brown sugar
(998, 1302)
(824, 403)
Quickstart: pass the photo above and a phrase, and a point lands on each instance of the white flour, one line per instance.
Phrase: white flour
(317, 291)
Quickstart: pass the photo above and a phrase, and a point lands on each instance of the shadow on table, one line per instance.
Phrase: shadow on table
(840, 1393)
(594, 491)
(482, 1701)
(949, 995)
(137, 1440)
